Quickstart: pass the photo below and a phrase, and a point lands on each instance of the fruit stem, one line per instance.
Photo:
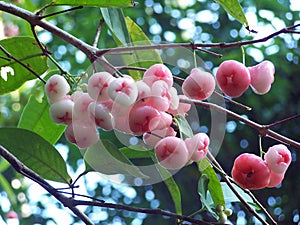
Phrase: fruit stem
(195, 59)
(261, 152)
(243, 55)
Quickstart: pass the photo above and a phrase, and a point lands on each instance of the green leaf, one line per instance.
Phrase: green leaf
(8, 189)
(99, 3)
(36, 117)
(229, 195)
(214, 185)
(234, 8)
(171, 185)
(26, 50)
(36, 153)
(114, 18)
(183, 126)
(139, 58)
(106, 158)
(136, 152)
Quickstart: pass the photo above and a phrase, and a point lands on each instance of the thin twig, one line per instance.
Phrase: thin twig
(21, 63)
(98, 32)
(25, 171)
(60, 12)
(262, 129)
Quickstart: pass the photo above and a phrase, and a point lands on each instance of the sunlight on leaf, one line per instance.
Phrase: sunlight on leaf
(99, 3)
(234, 8)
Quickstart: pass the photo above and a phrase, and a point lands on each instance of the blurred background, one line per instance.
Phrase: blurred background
(179, 21)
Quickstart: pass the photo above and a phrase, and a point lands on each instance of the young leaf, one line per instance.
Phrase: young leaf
(36, 153)
(136, 152)
(139, 58)
(183, 126)
(25, 49)
(106, 158)
(234, 8)
(36, 117)
(214, 185)
(229, 195)
(114, 18)
(99, 3)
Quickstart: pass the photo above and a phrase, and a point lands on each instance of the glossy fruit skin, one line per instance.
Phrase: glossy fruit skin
(198, 85)
(158, 72)
(233, 78)
(56, 88)
(275, 179)
(250, 172)
(278, 158)
(197, 146)
(262, 77)
(171, 153)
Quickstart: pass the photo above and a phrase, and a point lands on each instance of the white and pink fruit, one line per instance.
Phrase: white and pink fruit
(123, 90)
(275, 179)
(143, 119)
(98, 86)
(83, 134)
(81, 104)
(151, 138)
(278, 158)
(56, 88)
(198, 85)
(158, 72)
(62, 111)
(143, 89)
(197, 146)
(262, 77)
(233, 78)
(101, 115)
(171, 153)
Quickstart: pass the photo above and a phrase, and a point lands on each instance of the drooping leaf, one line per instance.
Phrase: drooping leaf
(36, 117)
(36, 153)
(171, 185)
(106, 158)
(25, 49)
(234, 8)
(183, 126)
(115, 20)
(99, 3)
(214, 185)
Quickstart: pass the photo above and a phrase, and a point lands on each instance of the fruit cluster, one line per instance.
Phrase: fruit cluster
(144, 108)
(252, 172)
(234, 78)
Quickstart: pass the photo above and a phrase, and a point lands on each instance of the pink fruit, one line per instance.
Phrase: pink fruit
(160, 92)
(250, 172)
(165, 120)
(101, 115)
(123, 90)
(98, 86)
(262, 76)
(174, 101)
(171, 153)
(275, 179)
(158, 72)
(182, 108)
(198, 85)
(233, 78)
(62, 111)
(151, 138)
(143, 119)
(12, 215)
(81, 104)
(143, 89)
(83, 134)
(278, 158)
(56, 88)
(197, 146)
